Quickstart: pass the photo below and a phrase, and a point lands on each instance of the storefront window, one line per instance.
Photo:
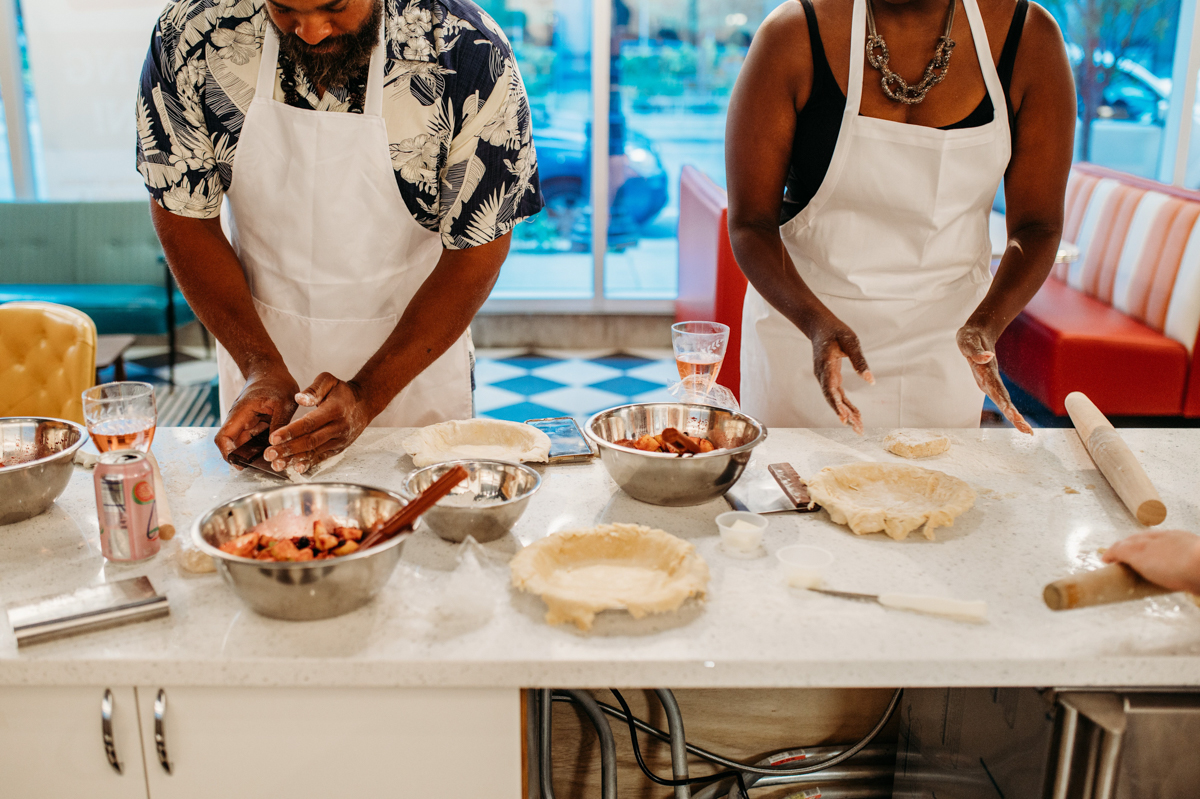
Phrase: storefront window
(1122, 53)
(6, 181)
(674, 63)
(84, 62)
(551, 253)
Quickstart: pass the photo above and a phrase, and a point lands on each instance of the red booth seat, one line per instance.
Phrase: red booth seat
(1120, 324)
(711, 285)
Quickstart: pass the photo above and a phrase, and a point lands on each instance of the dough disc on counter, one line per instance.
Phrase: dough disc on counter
(894, 498)
(916, 443)
(579, 573)
(469, 439)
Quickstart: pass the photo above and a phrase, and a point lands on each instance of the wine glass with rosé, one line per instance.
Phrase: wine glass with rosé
(699, 350)
(121, 415)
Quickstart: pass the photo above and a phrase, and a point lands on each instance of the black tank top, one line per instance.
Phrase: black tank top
(818, 123)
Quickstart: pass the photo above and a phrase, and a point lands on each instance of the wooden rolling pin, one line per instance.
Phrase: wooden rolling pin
(1115, 460)
(1115, 583)
(166, 525)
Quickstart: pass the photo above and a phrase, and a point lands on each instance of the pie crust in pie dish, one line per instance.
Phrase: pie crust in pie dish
(477, 439)
(894, 498)
(579, 573)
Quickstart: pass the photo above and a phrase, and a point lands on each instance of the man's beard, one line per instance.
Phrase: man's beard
(336, 59)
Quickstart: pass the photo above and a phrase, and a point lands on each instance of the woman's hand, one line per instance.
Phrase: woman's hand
(1170, 558)
(979, 348)
(340, 415)
(833, 340)
(267, 402)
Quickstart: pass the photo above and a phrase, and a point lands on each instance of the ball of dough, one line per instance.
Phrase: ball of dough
(194, 561)
(916, 443)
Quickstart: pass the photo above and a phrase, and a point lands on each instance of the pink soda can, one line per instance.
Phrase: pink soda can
(125, 503)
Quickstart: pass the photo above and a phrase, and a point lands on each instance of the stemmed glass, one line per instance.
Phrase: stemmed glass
(699, 350)
(121, 415)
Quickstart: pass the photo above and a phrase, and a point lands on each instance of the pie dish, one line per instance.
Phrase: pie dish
(477, 439)
(894, 498)
(579, 573)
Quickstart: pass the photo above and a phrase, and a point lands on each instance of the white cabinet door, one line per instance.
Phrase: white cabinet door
(329, 742)
(52, 744)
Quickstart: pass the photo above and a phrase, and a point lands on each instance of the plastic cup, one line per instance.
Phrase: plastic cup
(803, 566)
(699, 350)
(741, 533)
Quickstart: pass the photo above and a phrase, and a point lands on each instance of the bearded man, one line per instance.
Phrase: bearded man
(369, 159)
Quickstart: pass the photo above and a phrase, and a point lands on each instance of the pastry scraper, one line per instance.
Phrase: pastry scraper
(786, 493)
(250, 456)
(963, 610)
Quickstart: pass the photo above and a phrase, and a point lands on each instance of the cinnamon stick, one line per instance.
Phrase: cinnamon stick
(673, 436)
(407, 516)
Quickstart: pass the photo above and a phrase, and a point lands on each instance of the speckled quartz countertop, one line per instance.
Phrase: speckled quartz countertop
(1043, 511)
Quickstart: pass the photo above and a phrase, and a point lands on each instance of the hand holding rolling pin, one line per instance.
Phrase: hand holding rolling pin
(1145, 564)
(1170, 558)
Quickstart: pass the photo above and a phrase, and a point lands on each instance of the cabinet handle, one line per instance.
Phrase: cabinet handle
(106, 732)
(160, 738)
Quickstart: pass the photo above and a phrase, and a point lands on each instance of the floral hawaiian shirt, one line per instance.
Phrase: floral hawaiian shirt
(455, 109)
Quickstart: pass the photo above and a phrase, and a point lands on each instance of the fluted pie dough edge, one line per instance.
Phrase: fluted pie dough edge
(893, 498)
(579, 573)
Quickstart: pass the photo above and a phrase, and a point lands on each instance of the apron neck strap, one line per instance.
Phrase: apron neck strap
(265, 87)
(858, 54)
(267, 68)
(373, 105)
(991, 78)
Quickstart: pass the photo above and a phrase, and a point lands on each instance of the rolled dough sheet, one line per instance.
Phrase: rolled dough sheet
(470, 439)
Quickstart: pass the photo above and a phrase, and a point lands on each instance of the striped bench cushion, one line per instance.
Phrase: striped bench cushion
(1139, 252)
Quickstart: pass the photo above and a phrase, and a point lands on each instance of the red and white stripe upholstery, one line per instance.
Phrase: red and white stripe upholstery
(1127, 340)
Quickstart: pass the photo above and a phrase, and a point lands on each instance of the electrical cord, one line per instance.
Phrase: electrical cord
(725, 762)
(637, 753)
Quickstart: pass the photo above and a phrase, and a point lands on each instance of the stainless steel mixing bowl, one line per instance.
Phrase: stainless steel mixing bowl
(38, 455)
(314, 589)
(486, 505)
(663, 479)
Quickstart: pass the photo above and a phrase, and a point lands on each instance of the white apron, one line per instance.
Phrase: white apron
(895, 243)
(330, 251)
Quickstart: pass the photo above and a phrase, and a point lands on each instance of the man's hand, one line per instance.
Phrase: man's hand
(1170, 558)
(340, 416)
(267, 402)
(979, 348)
(833, 340)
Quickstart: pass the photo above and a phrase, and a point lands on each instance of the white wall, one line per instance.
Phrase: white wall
(85, 57)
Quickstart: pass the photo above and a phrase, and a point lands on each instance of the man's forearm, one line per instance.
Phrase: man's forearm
(211, 278)
(439, 313)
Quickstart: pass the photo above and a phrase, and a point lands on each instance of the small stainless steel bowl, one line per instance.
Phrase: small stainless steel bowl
(314, 589)
(492, 498)
(663, 479)
(38, 455)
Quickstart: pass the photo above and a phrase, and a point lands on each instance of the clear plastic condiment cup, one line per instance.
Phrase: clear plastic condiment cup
(803, 566)
(742, 533)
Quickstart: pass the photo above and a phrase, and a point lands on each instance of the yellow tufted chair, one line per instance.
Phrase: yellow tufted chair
(47, 359)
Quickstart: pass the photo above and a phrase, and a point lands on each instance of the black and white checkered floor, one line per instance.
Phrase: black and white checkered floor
(514, 384)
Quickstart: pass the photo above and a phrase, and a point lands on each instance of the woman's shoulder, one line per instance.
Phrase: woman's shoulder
(786, 24)
(784, 36)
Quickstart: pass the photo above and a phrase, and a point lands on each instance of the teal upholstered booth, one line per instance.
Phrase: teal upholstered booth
(100, 257)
